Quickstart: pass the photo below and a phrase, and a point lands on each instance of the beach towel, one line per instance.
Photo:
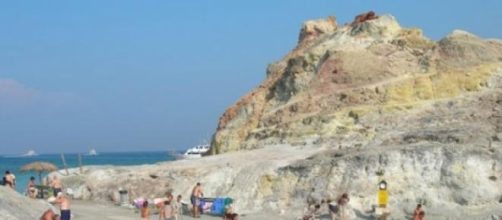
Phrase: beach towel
(218, 206)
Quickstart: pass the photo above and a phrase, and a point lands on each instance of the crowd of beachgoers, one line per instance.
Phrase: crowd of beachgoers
(167, 207)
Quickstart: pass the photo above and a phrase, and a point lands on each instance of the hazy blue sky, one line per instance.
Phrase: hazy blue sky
(153, 75)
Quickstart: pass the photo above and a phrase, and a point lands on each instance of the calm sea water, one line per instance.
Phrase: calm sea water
(130, 158)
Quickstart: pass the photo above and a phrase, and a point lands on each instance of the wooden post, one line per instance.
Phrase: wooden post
(80, 163)
(64, 164)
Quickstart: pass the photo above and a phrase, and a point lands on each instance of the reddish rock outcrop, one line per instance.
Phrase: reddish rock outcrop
(371, 15)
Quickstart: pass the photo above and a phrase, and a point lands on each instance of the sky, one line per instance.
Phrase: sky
(157, 75)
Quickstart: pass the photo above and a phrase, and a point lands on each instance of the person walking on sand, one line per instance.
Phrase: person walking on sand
(195, 199)
(343, 203)
(56, 185)
(145, 211)
(64, 205)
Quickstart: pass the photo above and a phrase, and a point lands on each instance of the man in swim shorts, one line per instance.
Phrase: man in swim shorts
(195, 199)
(64, 205)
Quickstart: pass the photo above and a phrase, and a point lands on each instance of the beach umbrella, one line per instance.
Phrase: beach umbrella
(39, 167)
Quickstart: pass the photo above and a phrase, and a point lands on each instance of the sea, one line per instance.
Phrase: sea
(14, 163)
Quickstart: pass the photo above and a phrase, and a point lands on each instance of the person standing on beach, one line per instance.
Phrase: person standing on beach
(195, 199)
(169, 210)
(421, 215)
(343, 204)
(416, 213)
(32, 190)
(177, 208)
(64, 205)
(145, 211)
(169, 196)
(162, 209)
(56, 185)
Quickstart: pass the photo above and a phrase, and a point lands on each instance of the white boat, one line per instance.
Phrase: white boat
(30, 153)
(197, 151)
(93, 152)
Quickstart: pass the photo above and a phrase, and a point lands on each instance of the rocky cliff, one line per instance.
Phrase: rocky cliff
(339, 83)
(348, 103)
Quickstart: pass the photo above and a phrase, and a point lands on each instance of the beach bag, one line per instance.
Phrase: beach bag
(333, 208)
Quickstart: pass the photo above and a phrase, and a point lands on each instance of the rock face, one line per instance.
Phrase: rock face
(326, 88)
(347, 103)
(14, 206)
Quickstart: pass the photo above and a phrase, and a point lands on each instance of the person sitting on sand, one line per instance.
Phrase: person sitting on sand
(64, 205)
(145, 211)
(49, 215)
(230, 214)
(195, 199)
(56, 185)
(32, 190)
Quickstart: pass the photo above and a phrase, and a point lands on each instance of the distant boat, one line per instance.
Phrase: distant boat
(30, 153)
(93, 152)
(197, 151)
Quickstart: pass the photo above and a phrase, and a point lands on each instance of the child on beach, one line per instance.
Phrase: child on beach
(177, 208)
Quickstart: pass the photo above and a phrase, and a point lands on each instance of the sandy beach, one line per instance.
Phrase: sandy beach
(87, 210)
